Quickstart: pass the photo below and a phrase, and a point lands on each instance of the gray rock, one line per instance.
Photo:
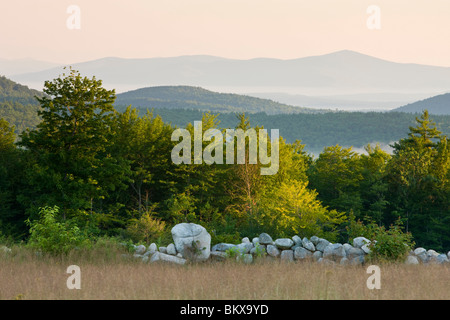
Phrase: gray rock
(244, 247)
(192, 241)
(163, 249)
(255, 241)
(245, 240)
(284, 243)
(442, 258)
(360, 241)
(347, 247)
(344, 261)
(245, 258)
(264, 238)
(334, 252)
(314, 240)
(419, 251)
(308, 244)
(218, 255)
(357, 260)
(354, 252)
(163, 257)
(411, 260)
(287, 255)
(222, 247)
(302, 253)
(140, 249)
(366, 248)
(272, 250)
(171, 249)
(317, 255)
(297, 240)
(151, 250)
(322, 244)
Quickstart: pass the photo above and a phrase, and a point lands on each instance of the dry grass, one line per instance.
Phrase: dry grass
(106, 276)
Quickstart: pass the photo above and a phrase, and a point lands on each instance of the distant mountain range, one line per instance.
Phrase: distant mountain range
(328, 81)
(435, 105)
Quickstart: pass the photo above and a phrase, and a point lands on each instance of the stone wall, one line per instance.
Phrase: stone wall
(192, 242)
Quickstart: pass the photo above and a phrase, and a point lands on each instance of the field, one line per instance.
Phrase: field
(107, 275)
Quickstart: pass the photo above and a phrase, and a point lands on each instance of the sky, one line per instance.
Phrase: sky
(409, 31)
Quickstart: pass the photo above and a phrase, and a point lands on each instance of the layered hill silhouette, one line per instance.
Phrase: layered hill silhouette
(439, 104)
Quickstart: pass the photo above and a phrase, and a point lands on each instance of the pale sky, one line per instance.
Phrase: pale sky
(412, 31)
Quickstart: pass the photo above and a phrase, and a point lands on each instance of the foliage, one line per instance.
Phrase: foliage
(51, 235)
(146, 228)
(387, 245)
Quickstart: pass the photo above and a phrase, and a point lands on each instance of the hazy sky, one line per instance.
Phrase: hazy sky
(416, 31)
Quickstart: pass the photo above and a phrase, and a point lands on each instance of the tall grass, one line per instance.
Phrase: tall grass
(105, 274)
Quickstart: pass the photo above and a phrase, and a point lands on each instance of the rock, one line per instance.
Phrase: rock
(272, 250)
(255, 241)
(258, 250)
(347, 247)
(218, 255)
(419, 251)
(5, 249)
(264, 238)
(334, 252)
(245, 240)
(163, 249)
(245, 258)
(140, 249)
(317, 255)
(244, 247)
(357, 260)
(432, 254)
(302, 253)
(297, 240)
(163, 257)
(366, 248)
(151, 250)
(308, 244)
(321, 244)
(314, 240)
(344, 261)
(287, 256)
(171, 249)
(360, 241)
(411, 260)
(442, 258)
(222, 247)
(284, 243)
(192, 241)
(354, 252)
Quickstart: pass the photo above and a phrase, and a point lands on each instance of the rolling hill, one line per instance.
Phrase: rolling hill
(439, 104)
(196, 98)
(18, 104)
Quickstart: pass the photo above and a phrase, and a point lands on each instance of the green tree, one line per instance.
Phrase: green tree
(418, 177)
(73, 167)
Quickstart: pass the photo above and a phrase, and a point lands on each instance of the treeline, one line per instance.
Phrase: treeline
(111, 173)
(320, 130)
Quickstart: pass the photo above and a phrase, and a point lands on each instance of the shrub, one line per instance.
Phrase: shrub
(145, 229)
(387, 245)
(52, 236)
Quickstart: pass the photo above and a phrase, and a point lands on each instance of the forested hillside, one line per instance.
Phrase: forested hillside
(186, 97)
(18, 104)
(87, 171)
(435, 105)
(317, 131)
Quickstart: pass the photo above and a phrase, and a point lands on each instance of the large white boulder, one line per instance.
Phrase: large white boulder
(192, 241)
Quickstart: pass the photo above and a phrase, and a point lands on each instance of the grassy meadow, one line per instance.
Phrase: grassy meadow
(107, 275)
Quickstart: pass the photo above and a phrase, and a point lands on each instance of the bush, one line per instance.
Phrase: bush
(52, 236)
(145, 229)
(387, 245)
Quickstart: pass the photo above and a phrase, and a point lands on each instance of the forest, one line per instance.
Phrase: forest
(100, 172)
